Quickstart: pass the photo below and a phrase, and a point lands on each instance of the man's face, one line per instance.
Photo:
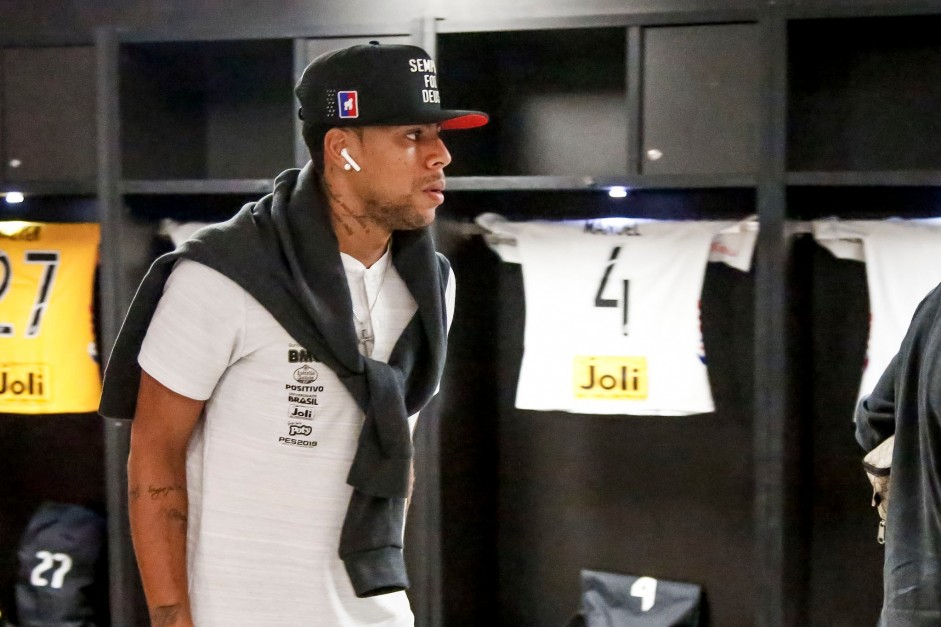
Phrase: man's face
(402, 180)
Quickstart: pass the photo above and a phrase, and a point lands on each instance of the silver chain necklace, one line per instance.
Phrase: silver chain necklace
(366, 337)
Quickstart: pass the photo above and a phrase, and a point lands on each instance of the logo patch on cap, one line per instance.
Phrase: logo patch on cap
(348, 104)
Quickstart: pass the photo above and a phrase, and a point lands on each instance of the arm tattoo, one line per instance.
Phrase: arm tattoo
(164, 615)
(134, 493)
(158, 491)
(177, 515)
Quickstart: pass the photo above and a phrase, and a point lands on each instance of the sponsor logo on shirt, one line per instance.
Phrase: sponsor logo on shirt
(303, 399)
(299, 428)
(297, 411)
(303, 388)
(302, 395)
(610, 377)
(24, 382)
(295, 429)
(299, 355)
(305, 375)
(297, 442)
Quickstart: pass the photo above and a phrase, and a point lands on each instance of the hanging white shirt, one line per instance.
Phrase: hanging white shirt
(612, 315)
(903, 264)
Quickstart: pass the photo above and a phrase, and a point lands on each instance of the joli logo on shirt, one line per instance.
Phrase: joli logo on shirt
(610, 377)
(301, 412)
(23, 382)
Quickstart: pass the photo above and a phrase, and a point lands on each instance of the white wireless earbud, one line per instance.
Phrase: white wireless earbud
(350, 162)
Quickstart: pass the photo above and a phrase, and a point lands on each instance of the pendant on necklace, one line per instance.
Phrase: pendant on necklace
(366, 341)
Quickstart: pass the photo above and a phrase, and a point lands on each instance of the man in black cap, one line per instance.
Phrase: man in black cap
(276, 374)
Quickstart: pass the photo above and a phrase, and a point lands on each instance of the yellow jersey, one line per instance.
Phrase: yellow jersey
(48, 360)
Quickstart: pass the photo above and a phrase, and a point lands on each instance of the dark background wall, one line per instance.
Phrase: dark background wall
(75, 20)
(529, 498)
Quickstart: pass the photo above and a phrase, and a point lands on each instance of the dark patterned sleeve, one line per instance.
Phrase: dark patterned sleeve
(875, 414)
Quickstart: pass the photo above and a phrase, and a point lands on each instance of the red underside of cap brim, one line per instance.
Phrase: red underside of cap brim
(471, 120)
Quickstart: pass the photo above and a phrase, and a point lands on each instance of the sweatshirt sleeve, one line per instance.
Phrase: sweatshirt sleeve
(875, 414)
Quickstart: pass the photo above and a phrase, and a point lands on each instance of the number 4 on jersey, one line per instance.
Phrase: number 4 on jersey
(610, 302)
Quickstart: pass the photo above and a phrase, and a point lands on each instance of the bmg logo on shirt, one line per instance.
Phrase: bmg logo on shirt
(24, 382)
(610, 377)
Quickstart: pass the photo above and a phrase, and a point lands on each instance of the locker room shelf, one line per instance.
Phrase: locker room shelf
(855, 195)
(51, 188)
(464, 184)
(197, 186)
(859, 8)
(301, 29)
(863, 202)
(893, 178)
(53, 207)
(592, 183)
(704, 16)
(731, 203)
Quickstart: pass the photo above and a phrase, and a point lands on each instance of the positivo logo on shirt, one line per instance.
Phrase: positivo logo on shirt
(610, 377)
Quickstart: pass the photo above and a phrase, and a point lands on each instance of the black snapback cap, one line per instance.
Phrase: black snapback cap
(377, 84)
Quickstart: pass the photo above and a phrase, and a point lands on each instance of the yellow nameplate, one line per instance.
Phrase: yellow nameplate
(610, 377)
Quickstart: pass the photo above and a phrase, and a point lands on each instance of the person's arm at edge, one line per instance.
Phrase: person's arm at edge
(157, 498)
(875, 413)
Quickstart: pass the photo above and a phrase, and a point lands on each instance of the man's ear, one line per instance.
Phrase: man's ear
(334, 141)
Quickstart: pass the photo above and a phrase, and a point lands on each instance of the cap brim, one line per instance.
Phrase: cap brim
(449, 119)
(457, 120)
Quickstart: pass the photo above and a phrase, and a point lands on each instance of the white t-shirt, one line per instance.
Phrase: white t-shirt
(267, 463)
(612, 315)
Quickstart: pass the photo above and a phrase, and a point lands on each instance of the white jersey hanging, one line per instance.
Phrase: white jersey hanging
(612, 315)
(903, 264)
